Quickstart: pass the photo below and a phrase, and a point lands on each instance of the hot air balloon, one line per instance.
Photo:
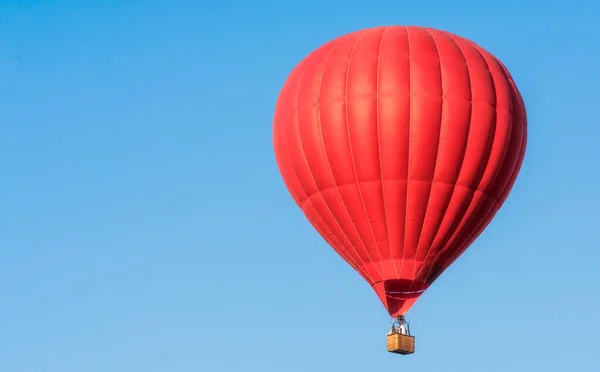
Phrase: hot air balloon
(399, 144)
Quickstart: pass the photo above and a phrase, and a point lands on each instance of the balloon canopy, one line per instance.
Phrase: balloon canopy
(399, 144)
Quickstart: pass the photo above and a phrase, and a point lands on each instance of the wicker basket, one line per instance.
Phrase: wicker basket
(400, 344)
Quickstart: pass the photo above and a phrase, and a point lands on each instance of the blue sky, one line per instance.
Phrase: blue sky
(144, 225)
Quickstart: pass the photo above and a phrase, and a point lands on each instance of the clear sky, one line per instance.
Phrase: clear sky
(144, 225)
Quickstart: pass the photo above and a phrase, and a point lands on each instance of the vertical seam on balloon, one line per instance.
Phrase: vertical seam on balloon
(294, 171)
(496, 207)
(439, 139)
(279, 156)
(460, 236)
(501, 197)
(354, 166)
(308, 200)
(325, 152)
(417, 270)
(490, 143)
(408, 147)
(387, 229)
(348, 212)
(483, 222)
(297, 198)
(467, 238)
(449, 200)
(300, 80)
(462, 159)
(286, 155)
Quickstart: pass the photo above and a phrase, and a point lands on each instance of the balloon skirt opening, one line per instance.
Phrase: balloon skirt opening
(398, 295)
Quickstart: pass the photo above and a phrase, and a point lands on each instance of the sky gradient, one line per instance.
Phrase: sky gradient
(145, 227)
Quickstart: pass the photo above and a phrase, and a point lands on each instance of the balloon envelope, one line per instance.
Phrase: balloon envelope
(399, 144)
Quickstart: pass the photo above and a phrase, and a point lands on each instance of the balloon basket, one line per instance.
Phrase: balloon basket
(400, 344)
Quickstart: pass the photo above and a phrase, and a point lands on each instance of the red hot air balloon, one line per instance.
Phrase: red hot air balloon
(399, 144)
